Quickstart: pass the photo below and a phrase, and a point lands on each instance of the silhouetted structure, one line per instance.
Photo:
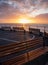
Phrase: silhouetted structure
(5, 28)
(18, 28)
(34, 31)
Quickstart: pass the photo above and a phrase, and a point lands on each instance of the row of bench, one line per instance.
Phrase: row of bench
(10, 49)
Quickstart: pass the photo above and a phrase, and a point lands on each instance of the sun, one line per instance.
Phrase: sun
(24, 20)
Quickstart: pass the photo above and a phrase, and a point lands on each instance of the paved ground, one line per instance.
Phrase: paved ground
(7, 37)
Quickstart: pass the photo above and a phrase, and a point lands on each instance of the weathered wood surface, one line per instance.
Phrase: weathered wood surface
(21, 59)
(18, 47)
(5, 50)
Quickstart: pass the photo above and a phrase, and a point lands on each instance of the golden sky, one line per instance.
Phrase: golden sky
(36, 11)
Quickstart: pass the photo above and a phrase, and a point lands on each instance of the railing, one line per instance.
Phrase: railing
(16, 47)
(19, 47)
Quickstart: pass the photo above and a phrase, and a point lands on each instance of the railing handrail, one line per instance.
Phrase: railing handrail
(20, 46)
(18, 43)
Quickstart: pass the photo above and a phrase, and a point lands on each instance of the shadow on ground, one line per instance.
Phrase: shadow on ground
(42, 60)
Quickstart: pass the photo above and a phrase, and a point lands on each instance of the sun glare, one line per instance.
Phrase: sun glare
(24, 21)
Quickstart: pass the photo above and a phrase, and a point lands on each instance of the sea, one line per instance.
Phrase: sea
(42, 27)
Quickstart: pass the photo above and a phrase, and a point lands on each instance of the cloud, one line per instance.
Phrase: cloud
(9, 8)
(44, 0)
(42, 18)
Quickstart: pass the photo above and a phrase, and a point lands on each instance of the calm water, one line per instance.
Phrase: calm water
(26, 26)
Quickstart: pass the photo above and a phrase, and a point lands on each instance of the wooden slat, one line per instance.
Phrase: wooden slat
(18, 44)
(19, 47)
(28, 43)
(10, 51)
(21, 59)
